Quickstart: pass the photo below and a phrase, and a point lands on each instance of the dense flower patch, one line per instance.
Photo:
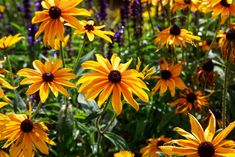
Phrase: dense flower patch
(117, 78)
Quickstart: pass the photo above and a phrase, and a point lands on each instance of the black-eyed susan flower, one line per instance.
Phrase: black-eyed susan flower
(227, 43)
(169, 78)
(124, 153)
(188, 100)
(91, 30)
(53, 17)
(23, 135)
(46, 77)
(175, 36)
(224, 8)
(153, 146)
(9, 41)
(200, 143)
(146, 71)
(205, 73)
(183, 4)
(112, 78)
(3, 154)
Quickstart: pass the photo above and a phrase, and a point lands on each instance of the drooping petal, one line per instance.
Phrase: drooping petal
(116, 99)
(44, 92)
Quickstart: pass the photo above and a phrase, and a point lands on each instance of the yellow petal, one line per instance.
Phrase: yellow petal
(44, 92)
(223, 134)
(116, 99)
(210, 130)
(172, 150)
(196, 128)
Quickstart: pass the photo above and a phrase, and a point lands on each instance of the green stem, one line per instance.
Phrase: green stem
(110, 123)
(225, 90)
(97, 124)
(217, 28)
(150, 19)
(79, 55)
(11, 71)
(61, 54)
(63, 61)
(37, 109)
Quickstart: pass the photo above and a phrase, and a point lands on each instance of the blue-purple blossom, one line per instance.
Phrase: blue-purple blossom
(103, 14)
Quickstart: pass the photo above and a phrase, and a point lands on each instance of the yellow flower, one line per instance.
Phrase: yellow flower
(188, 100)
(147, 72)
(182, 4)
(5, 84)
(112, 78)
(2, 8)
(175, 36)
(202, 143)
(53, 17)
(57, 43)
(224, 8)
(227, 42)
(24, 135)
(124, 153)
(91, 30)
(45, 77)
(169, 78)
(10, 40)
(153, 146)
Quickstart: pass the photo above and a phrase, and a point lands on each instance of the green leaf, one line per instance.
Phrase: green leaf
(116, 140)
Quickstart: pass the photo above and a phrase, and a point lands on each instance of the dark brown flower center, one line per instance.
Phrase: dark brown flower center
(175, 30)
(165, 74)
(26, 125)
(206, 149)
(48, 77)
(115, 76)
(191, 97)
(224, 3)
(208, 66)
(160, 143)
(54, 12)
(89, 27)
(187, 1)
(230, 35)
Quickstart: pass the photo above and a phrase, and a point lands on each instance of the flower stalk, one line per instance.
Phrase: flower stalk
(80, 52)
(225, 89)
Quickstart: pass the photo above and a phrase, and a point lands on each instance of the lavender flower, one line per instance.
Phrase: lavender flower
(102, 14)
(118, 36)
(32, 29)
(137, 17)
(26, 9)
(124, 10)
(38, 6)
